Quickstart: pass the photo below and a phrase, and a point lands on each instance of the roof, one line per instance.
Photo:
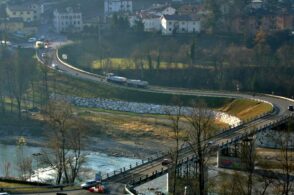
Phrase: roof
(20, 7)
(68, 10)
(180, 17)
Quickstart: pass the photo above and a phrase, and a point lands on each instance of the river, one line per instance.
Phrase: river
(96, 162)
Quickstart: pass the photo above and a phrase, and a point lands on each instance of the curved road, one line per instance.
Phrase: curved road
(280, 111)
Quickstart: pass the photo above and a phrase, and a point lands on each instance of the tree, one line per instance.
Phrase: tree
(286, 157)
(65, 142)
(175, 116)
(192, 53)
(200, 120)
(213, 15)
(248, 157)
(76, 137)
(24, 163)
(18, 72)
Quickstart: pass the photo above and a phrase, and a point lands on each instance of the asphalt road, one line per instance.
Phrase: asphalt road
(280, 104)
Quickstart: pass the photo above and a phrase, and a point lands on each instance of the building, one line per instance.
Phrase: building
(172, 24)
(151, 18)
(27, 12)
(67, 20)
(151, 22)
(116, 6)
(11, 25)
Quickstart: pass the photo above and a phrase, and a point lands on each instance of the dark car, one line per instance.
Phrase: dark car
(291, 108)
(87, 185)
(166, 162)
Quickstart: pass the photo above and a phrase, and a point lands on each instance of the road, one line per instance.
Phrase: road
(280, 110)
(115, 189)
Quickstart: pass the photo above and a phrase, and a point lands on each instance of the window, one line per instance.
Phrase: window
(170, 29)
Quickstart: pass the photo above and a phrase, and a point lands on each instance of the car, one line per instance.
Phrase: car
(166, 162)
(5, 42)
(4, 193)
(43, 55)
(291, 108)
(89, 184)
(54, 66)
(210, 142)
(32, 40)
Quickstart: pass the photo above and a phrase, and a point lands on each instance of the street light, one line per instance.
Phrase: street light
(185, 192)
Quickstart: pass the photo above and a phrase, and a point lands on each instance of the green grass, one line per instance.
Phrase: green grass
(246, 109)
(67, 85)
(30, 188)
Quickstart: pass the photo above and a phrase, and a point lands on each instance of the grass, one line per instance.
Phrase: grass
(246, 109)
(29, 188)
(125, 63)
(67, 85)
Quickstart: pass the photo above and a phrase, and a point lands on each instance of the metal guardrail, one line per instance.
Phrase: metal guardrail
(124, 170)
(155, 174)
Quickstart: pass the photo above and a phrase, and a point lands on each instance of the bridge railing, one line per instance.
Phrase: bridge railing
(123, 170)
(158, 156)
(253, 130)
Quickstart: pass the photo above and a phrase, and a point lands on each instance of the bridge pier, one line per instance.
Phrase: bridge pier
(236, 156)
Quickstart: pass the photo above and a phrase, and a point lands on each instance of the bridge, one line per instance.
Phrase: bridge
(152, 167)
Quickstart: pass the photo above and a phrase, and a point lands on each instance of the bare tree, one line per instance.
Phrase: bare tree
(24, 163)
(6, 166)
(200, 120)
(287, 159)
(248, 157)
(76, 137)
(65, 142)
(175, 116)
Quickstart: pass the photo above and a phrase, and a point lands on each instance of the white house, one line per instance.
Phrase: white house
(67, 20)
(27, 12)
(171, 24)
(151, 23)
(151, 18)
(114, 6)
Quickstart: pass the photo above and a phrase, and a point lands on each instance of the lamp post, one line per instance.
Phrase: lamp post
(185, 192)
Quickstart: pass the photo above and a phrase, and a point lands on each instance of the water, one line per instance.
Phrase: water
(96, 162)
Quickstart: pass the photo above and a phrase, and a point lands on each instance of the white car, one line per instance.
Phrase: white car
(32, 40)
(54, 66)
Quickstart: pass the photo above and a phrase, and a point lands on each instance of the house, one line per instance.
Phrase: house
(116, 6)
(67, 20)
(172, 24)
(11, 25)
(27, 12)
(151, 18)
(256, 4)
(151, 22)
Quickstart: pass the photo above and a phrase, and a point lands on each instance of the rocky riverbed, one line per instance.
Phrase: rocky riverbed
(141, 108)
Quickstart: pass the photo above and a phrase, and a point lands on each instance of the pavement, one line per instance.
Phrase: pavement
(115, 189)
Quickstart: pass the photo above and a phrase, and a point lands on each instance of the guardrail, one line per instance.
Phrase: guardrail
(42, 188)
(77, 69)
(124, 170)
